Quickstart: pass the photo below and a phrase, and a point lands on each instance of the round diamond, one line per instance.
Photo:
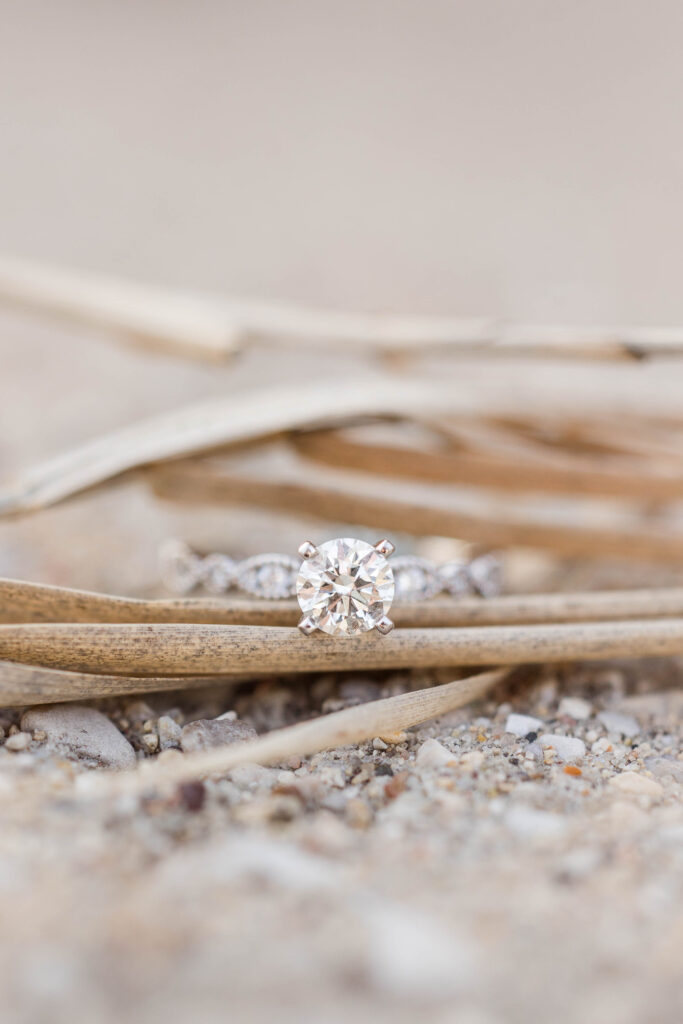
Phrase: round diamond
(346, 587)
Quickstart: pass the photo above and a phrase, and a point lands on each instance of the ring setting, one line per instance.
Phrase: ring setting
(345, 587)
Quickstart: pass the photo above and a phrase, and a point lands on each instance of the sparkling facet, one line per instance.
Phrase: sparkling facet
(346, 587)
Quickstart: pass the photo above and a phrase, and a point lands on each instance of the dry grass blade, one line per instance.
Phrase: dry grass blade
(205, 427)
(21, 685)
(555, 474)
(342, 728)
(193, 650)
(214, 327)
(205, 482)
(38, 602)
(157, 317)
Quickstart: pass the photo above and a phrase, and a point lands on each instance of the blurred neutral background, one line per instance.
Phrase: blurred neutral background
(505, 157)
(511, 158)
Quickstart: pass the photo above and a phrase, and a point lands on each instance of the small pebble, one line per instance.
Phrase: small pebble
(634, 782)
(214, 732)
(169, 733)
(520, 725)
(150, 741)
(567, 748)
(192, 795)
(472, 760)
(379, 744)
(433, 754)
(575, 707)
(19, 741)
(615, 721)
(82, 732)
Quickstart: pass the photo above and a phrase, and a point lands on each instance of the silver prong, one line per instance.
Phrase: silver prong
(307, 625)
(307, 550)
(385, 547)
(385, 625)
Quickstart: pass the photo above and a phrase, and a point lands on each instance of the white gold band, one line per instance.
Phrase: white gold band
(273, 576)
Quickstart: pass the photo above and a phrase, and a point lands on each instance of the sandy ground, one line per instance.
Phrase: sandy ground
(467, 873)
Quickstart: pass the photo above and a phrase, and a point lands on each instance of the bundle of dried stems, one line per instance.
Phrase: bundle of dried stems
(61, 645)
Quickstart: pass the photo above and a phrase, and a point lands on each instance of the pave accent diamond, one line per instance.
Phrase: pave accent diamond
(268, 576)
(181, 568)
(416, 579)
(485, 573)
(346, 587)
(218, 573)
(455, 578)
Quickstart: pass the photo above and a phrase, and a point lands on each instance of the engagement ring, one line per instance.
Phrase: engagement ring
(344, 586)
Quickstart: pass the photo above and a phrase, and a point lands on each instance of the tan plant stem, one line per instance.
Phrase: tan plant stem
(201, 483)
(37, 602)
(596, 476)
(22, 685)
(193, 650)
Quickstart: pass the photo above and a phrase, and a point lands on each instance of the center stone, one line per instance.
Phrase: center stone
(346, 587)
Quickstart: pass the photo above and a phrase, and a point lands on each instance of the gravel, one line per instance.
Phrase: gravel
(81, 732)
(207, 733)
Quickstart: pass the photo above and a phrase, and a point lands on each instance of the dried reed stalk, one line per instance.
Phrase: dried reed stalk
(549, 475)
(193, 650)
(206, 426)
(22, 685)
(37, 602)
(386, 717)
(194, 483)
(214, 327)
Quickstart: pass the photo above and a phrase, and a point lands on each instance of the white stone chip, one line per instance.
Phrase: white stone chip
(522, 725)
(433, 754)
(615, 721)
(567, 748)
(472, 760)
(576, 708)
(19, 741)
(634, 782)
